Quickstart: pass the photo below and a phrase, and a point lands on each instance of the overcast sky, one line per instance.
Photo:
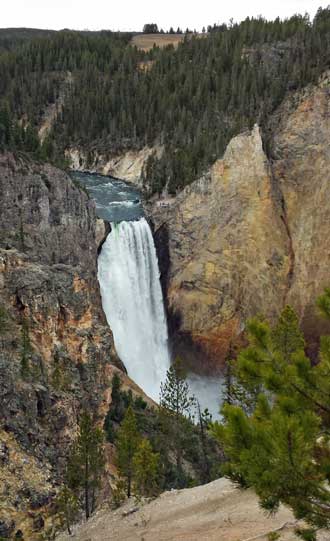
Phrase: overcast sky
(132, 14)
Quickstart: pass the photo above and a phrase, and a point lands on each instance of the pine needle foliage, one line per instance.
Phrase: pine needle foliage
(174, 406)
(278, 441)
(67, 508)
(128, 439)
(146, 468)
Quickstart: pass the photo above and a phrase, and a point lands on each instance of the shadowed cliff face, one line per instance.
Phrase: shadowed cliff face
(252, 235)
(301, 168)
(49, 290)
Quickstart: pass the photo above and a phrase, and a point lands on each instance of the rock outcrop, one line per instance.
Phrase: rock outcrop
(229, 250)
(127, 165)
(213, 512)
(252, 234)
(56, 353)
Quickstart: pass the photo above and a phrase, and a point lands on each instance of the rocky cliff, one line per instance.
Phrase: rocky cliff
(127, 165)
(252, 234)
(300, 166)
(57, 354)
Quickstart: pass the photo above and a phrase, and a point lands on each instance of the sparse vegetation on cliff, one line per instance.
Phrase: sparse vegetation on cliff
(86, 463)
(180, 449)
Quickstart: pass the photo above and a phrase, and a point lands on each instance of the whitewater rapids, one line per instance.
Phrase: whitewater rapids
(132, 300)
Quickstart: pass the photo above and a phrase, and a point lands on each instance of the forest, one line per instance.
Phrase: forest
(190, 101)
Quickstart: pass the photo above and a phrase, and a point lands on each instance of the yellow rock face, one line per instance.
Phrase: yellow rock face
(253, 235)
(302, 168)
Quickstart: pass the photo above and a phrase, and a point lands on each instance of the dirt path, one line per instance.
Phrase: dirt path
(214, 512)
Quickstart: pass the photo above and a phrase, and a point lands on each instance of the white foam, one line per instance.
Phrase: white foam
(132, 300)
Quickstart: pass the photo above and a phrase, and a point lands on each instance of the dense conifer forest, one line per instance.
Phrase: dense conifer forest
(190, 100)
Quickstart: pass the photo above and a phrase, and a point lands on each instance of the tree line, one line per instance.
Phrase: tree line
(152, 28)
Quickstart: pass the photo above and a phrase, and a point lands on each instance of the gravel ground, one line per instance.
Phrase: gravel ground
(214, 512)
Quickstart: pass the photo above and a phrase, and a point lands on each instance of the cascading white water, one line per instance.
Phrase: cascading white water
(132, 300)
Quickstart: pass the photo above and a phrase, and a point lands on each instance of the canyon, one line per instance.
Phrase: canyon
(248, 237)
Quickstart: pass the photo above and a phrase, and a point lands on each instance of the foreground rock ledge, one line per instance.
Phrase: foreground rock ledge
(217, 511)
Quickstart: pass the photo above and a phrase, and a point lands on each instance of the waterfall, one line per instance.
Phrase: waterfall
(132, 300)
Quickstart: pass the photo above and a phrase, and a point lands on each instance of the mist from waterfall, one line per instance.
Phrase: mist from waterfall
(132, 300)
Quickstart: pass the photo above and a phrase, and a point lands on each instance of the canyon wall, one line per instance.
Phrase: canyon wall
(251, 235)
(56, 350)
(301, 169)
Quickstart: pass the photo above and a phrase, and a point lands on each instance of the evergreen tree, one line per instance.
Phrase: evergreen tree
(86, 463)
(146, 466)
(5, 126)
(67, 508)
(117, 408)
(31, 140)
(128, 439)
(175, 403)
(281, 445)
(204, 421)
(150, 28)
(287, 336)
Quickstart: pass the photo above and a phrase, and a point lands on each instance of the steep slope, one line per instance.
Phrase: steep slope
(57, 354)
(301, 165)
(213, 512)
(252, 234)
(229, 252)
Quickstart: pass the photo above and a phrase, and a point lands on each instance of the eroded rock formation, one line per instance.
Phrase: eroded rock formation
(252, 234)
(57, 354)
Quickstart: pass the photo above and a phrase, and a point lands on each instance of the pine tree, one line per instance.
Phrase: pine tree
(5, 126)
(31, 140)
(128, 439)
(281, 445)
(287, 337)
(86, 462)
(67, 508)
(175, 403)
(145, 465)
(204, 420)
(116, 410)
